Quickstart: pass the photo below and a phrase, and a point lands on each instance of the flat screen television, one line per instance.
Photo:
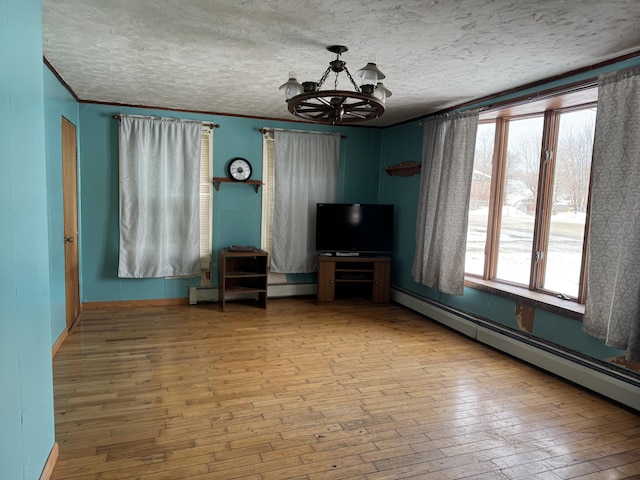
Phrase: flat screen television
(354, 228)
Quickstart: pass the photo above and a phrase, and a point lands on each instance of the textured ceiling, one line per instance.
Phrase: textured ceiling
(230, 57)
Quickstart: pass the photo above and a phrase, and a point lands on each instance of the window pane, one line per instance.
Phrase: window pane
(570, 195)
(479, 200)
(519, 201)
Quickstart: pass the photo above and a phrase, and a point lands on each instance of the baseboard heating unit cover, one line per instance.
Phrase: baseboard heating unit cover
(592, 374)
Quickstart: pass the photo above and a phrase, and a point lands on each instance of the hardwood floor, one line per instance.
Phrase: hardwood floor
(318, 392)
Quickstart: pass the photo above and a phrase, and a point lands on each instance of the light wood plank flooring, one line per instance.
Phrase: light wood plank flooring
(304, 391)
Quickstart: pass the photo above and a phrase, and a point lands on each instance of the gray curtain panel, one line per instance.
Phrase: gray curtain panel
(159, 197)
(306, 173)
(612, 311)
(441, 226)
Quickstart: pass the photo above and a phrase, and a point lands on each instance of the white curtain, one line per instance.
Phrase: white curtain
(443, 210)
(306, 173)
(159, 197)
(612, 311)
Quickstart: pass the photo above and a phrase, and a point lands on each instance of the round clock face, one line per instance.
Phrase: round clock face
(239, 169)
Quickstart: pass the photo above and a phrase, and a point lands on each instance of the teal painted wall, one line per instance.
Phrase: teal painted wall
(26, 390)
(32, 259)
(58, 103)
(404, 143)
(237, 209)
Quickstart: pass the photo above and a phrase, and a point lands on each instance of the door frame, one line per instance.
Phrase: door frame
(70, 209)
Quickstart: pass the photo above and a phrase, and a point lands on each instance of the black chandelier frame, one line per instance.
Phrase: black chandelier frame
(336, 106)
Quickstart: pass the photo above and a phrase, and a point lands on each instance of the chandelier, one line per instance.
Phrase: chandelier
(337, 107)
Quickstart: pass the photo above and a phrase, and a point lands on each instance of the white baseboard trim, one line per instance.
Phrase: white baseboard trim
(202, 295)
(210, 294)
(591, 375)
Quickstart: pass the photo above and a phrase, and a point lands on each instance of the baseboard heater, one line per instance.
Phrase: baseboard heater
(210, 294)
(592, 374)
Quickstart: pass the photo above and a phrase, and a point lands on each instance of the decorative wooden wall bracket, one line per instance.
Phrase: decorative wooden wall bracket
(218, 180)
(404, 169)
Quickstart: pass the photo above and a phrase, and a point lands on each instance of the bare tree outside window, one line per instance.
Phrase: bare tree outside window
(573, 159)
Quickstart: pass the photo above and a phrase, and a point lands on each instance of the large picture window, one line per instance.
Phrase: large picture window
(528, 210)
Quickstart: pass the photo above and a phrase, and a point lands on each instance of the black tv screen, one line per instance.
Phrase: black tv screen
(354, 228)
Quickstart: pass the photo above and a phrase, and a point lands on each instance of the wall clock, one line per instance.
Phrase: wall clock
(239, 169)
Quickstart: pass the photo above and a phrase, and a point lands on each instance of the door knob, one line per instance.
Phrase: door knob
(68, 239)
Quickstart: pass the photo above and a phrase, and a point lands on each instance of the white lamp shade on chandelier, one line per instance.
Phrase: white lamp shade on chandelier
(381, 92)
(292, 87)
(370, 74)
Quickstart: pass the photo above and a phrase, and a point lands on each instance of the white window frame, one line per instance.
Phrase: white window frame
(268, 157)
(206, 202)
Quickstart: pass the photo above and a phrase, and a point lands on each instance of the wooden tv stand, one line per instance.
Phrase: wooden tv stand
(344, 277)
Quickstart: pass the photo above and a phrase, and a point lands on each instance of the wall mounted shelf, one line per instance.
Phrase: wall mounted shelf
(218, 180)
(404, 169)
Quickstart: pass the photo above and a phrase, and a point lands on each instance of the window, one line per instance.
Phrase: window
(479, 200)
(519, 199)
(529, 194)
(570, 195)
(308, 162)
(206, 157)
(157, 236)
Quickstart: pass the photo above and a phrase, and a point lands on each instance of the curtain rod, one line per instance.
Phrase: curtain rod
(206, 124)
(269, 129)
(448, 114)
(542, 95)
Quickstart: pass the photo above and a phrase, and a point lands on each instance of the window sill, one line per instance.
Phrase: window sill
(539, 300)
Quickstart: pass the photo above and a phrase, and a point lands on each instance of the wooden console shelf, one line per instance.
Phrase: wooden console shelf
(340, 277)
(242, 273)
(404, 169)
(256, 184)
